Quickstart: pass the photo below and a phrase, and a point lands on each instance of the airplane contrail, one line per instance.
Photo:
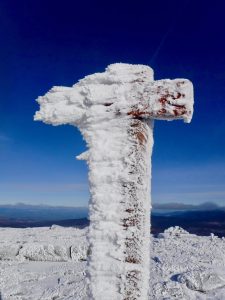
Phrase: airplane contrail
(166, 34)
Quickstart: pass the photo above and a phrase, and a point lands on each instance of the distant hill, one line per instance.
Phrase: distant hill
(175, 206)
(200, 219)
(42, 212)
(22, 223)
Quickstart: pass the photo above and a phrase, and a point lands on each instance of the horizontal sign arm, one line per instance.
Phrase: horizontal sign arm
(165, 100)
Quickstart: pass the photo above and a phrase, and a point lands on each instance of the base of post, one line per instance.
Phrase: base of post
(119, 233)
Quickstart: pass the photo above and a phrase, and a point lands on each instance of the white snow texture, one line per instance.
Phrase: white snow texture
(114, 111)
(185, 266)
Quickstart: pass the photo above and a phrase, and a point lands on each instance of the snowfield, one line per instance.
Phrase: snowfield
(50, 264)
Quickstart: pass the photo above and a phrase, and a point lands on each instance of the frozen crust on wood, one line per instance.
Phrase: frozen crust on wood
(114, 111)
(119, 91)
(166, 100)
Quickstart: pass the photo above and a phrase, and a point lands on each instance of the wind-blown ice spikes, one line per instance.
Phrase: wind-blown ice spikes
(114, 111)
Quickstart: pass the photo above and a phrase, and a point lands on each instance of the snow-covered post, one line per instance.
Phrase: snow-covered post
(114, 111)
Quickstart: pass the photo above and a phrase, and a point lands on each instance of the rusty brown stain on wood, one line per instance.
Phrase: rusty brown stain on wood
(179, 112)
(137, 130)
(141, 137)
(137, 113)
(163, 100)
(161, 112)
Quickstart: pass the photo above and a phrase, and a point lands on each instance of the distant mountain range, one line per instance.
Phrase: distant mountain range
(200, 219)
(42, 212)
(24, 223)
(174, 206)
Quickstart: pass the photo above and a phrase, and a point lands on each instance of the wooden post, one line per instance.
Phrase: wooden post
(114, 111)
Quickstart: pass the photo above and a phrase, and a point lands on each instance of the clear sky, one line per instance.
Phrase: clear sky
(46, 43)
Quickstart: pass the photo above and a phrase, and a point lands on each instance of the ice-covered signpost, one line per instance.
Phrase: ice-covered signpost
(114, 111)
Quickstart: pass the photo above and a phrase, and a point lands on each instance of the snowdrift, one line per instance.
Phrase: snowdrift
(50, 263)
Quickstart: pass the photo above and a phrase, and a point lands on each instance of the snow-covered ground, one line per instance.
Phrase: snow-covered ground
(49, 264)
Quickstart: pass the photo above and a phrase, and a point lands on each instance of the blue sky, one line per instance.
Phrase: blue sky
(46, 43)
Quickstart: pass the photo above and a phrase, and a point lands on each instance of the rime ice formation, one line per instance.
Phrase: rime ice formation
(114, 111)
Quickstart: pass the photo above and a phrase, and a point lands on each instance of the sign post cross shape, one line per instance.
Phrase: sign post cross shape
(114, 111)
